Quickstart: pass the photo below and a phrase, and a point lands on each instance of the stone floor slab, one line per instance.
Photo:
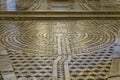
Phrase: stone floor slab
(3, 51)
(8, 75)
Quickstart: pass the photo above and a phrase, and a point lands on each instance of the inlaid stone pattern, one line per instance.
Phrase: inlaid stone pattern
(26, 66)
(93, 66)
(59, 50)
(42, 38)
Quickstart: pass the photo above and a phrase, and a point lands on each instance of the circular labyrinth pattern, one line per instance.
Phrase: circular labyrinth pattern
(27, 39)
(42, 37)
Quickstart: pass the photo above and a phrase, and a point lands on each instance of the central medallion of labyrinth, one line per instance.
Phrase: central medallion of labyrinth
(58, 37)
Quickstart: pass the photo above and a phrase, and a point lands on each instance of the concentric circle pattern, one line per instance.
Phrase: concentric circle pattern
(42, 37)
(59, 50)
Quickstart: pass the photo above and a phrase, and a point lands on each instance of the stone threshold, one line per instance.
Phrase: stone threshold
(37, 15)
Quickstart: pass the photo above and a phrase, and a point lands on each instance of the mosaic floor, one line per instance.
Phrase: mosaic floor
(36, 5)
(57, 49)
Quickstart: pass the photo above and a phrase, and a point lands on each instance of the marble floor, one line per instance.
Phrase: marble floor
(58, 49)
(38, 45)
(38, 5)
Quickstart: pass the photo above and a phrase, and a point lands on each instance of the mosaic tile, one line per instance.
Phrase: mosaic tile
(58, 50)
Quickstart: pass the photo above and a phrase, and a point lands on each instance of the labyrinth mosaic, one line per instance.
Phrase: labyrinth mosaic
(58, 50)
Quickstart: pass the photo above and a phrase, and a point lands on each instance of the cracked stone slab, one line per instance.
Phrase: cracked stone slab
(8, 76)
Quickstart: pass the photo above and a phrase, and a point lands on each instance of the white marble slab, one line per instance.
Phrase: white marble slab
(117, 48)
(116, 52)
